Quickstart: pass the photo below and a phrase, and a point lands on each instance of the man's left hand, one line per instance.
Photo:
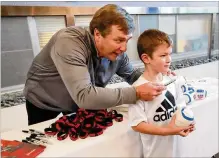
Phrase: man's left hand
(170, 72)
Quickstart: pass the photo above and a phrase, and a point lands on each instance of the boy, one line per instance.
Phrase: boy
(154, 119)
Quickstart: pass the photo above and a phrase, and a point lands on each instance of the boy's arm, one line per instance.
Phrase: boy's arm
(170, 129)
(138, 121)
(151, 129)
(137, 113)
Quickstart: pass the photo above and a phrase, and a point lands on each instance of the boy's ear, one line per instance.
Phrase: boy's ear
(145, 58)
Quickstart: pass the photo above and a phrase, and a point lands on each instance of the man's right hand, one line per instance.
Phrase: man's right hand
(149, 91)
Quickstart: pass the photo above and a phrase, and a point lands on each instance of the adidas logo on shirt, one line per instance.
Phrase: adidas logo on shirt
(166, 109)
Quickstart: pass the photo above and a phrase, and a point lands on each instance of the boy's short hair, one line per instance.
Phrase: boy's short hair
(109, 15)
(150, 39)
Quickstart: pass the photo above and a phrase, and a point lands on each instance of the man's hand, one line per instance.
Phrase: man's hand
(171, 73)
(149, 91)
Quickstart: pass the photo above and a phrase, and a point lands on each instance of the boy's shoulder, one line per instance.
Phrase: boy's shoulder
(179, 80)
(141, 80)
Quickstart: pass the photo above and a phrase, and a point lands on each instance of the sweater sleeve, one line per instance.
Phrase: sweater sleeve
(69, 55)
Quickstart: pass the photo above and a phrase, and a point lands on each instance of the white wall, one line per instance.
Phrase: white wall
(16, 117)
(13, 117)
(204, 70)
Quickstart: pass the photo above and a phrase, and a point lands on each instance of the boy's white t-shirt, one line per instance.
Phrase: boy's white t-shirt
(157, 112)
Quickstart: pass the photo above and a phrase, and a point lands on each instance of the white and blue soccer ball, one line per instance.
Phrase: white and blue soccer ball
(184, 117)
(187, 88)
(189, 97)
(190, 93)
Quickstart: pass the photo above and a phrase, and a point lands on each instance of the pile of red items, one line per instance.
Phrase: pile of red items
(83, 123)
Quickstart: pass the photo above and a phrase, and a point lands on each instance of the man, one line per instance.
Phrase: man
(72, 70)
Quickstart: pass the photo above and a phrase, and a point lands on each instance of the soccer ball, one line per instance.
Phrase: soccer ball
(184, 117)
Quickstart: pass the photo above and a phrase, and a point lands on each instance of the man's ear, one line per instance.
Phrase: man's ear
(97, 34)
(145, 58)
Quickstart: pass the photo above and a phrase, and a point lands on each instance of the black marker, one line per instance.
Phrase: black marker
(36, 132)
(30, 142)
(40, 139)
(34, 141)
(169, 82)
(33, 132)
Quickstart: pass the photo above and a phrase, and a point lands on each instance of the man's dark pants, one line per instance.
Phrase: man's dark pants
(37, 115)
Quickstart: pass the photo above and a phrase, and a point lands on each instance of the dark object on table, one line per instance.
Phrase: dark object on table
(83, 123)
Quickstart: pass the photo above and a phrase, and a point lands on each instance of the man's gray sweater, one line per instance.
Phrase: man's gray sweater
(68, 73)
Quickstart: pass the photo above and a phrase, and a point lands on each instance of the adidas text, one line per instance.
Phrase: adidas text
(165, 116)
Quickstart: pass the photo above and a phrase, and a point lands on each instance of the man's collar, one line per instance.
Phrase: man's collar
(94, 48)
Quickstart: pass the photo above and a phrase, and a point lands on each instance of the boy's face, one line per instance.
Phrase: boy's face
(161, 59)
(113, 44)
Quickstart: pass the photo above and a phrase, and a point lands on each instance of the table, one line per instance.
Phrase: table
(116, 141)
(120, 141)
(203, 142)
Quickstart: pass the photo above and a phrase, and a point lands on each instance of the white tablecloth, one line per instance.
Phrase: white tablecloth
(203, 142)
(116, 141)
(120, 141)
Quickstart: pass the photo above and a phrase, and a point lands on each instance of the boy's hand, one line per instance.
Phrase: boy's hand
(192, 129)
(172, 129)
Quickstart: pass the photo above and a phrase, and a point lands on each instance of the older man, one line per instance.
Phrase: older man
(72, 70)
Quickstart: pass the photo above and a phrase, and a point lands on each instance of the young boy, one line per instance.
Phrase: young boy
(154, 120)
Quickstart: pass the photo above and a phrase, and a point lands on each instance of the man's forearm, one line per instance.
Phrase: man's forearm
(102, 98)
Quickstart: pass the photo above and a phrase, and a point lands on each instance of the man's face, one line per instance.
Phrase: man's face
(113, 44)
(161, 59)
